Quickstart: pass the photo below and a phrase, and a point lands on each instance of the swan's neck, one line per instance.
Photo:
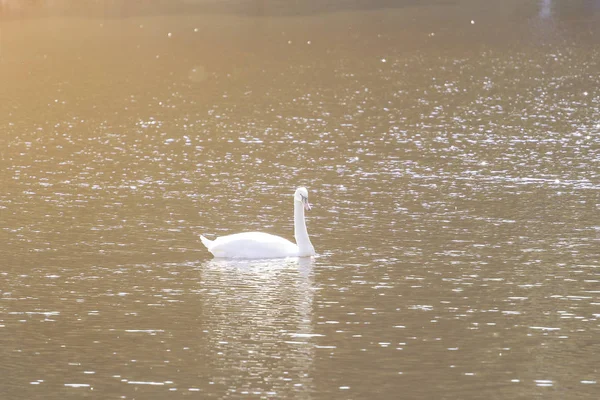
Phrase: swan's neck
(300, 233)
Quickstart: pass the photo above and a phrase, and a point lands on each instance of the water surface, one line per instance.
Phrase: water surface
(450, 150)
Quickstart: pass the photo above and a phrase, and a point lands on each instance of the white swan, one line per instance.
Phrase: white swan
(264, 245)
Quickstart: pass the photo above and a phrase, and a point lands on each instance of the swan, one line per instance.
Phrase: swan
(250, 245)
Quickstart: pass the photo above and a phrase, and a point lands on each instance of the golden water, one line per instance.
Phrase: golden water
(451, 150)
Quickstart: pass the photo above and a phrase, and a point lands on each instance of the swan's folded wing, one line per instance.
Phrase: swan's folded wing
(252, 245)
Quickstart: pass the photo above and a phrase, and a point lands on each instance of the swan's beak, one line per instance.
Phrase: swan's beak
(306, 204)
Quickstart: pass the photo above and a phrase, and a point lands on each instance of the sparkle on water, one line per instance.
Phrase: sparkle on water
(451, 152)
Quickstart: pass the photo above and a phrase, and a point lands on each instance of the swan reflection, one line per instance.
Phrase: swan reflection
(258, 315)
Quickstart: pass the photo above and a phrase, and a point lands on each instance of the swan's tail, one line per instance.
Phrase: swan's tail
(206, 242)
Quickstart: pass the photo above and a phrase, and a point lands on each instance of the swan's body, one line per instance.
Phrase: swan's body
(264, 245)
(251, 245)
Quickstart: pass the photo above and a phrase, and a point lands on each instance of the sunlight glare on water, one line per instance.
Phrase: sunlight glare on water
(451, 152)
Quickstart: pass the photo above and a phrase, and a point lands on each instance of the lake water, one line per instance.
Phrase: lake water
(452, 154)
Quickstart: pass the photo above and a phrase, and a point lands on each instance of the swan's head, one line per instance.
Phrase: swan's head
(301, 195)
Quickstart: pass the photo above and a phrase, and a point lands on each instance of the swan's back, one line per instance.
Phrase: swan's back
(251, 245)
